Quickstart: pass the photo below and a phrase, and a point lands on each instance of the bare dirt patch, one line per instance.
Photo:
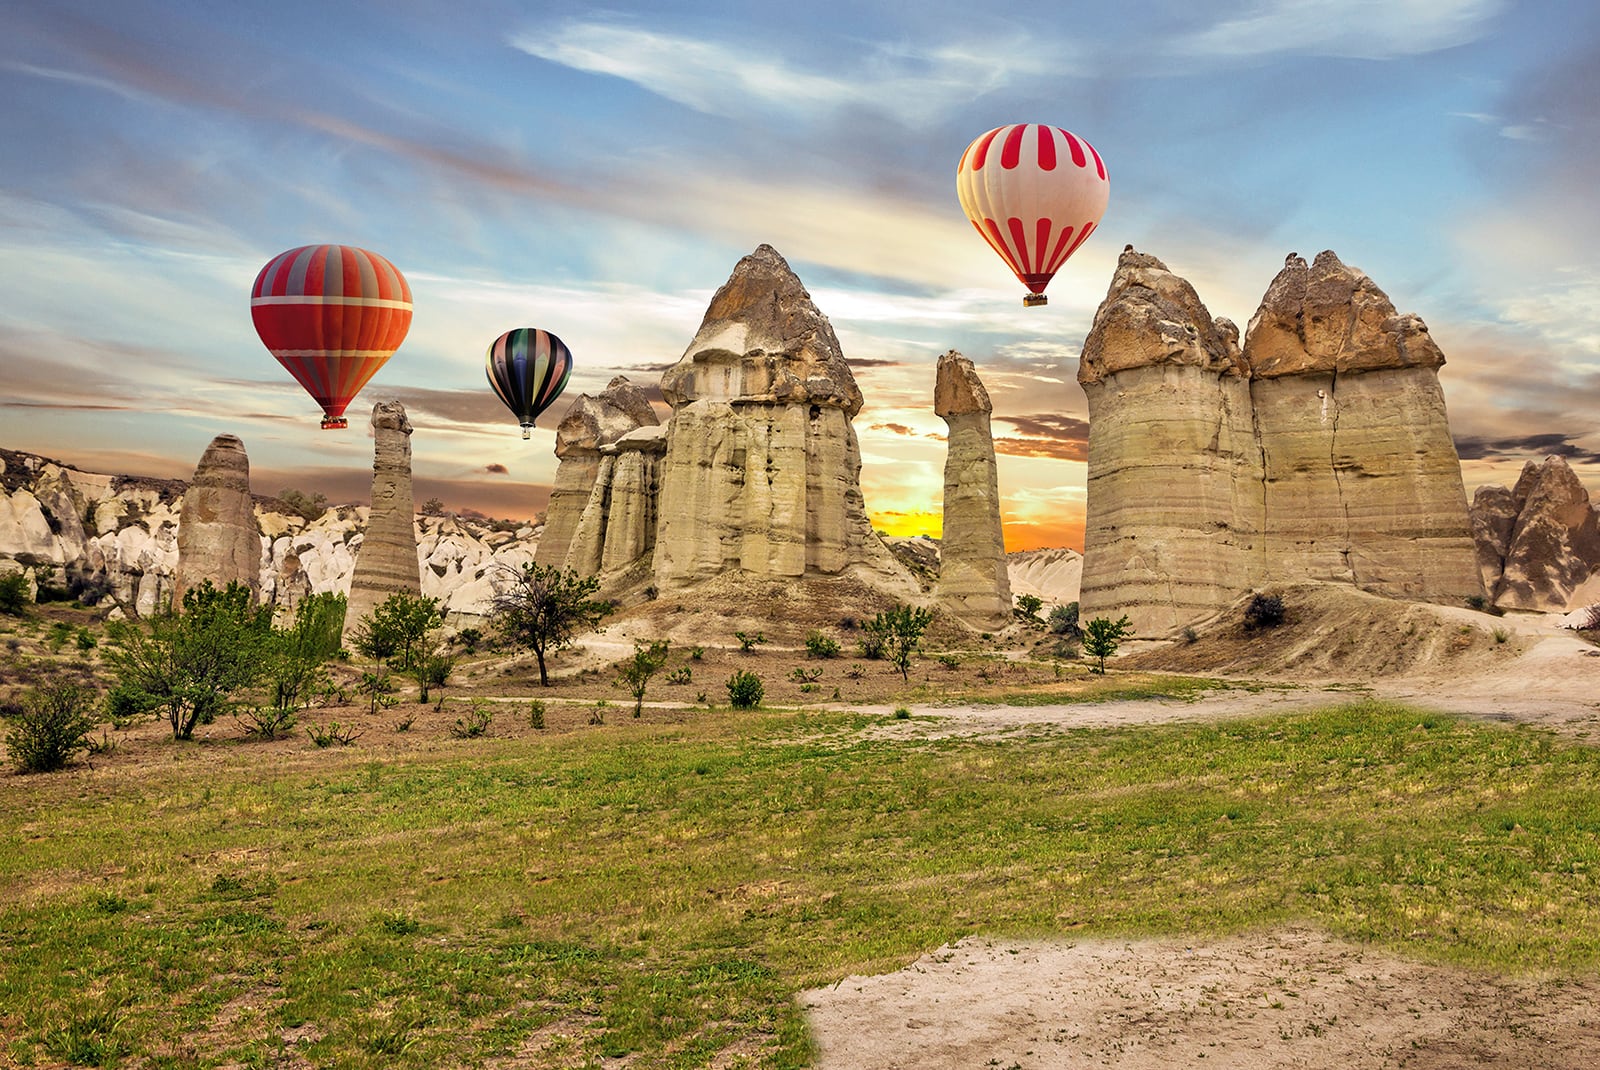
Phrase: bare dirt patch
(1291, 998)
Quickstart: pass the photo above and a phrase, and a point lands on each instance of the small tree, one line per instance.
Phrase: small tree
(636, 671)
(432, 670)
(53, 726)
(1101, 637)
(1028, 606)
(303, 648)
(901, 631)
(192, 664)
(745, 690)
(543, 608)
(396, 631)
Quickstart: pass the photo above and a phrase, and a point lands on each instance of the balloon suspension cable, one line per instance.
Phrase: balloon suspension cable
(1034, 300)
(527, 429)
(334, 423)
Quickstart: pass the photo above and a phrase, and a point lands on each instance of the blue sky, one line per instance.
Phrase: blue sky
(598, 170)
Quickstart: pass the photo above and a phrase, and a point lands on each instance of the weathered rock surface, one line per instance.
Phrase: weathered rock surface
(1053, 574)
(1320, 451)
(761, 473)
(972, 574)
(218, 539)
(1174, 473)
(616, 534)
(1538, 543)
(590, 425)
(387, 562)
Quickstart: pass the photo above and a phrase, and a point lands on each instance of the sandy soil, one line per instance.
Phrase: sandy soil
(1294, 998)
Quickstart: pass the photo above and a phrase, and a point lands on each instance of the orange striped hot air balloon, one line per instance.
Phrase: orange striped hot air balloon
(332, 315)
(1035, 193)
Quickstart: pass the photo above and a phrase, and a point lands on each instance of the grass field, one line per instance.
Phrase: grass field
(661, 891)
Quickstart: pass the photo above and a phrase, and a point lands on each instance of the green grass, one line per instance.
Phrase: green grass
(664, 891)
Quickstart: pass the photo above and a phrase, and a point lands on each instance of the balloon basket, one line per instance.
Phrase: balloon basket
(526, 433)
(1034, 300)
(334, 423)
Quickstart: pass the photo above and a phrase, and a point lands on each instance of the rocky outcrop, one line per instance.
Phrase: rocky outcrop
(1053, 574)
(1319, 451)
(761, 473)
(1173, 512)
(972, 574)
(616, 534)
(1539, 542)
(1363, 484)
(590, 425)
(387, 562)
(218, 538)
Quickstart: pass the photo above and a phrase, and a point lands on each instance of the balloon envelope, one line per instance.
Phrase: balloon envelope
(332, 315)
(528, 368)
(1035, 193)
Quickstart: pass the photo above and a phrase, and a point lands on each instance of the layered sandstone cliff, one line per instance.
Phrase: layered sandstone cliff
(1320, 450)
(973, 582)
(761, 471)
(590, 425)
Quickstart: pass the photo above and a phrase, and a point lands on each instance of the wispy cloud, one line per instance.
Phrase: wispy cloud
(1350, 29)
(731, 78)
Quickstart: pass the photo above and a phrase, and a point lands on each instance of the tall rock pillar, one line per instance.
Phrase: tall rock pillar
(590, 425)
(1362, 481)
(1174, 487)
(973, 581)
(218, 538)
(386, 564)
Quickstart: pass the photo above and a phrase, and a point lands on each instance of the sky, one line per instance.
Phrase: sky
(598, 170)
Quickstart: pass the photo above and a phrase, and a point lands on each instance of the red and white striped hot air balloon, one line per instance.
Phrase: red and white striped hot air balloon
(332, 315)
(1035, 193)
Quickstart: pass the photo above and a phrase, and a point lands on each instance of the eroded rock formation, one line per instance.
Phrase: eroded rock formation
(1319, 451)
(972, 573)
(218, 539)
(387, 562)
(1539, 542)
(761, 473)
(590, 425)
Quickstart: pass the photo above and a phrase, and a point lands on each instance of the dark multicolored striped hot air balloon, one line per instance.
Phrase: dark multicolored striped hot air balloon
(1035, 193)
(528, 368)
(332, 315)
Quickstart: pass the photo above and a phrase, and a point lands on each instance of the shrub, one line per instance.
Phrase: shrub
(1264, 611)
(379, 688)
(265, 722)
(949, 660)
(14, 595)
(682, 675)
(902, 714)
(749, 640)
(474, 724)
(52, 726)
(125, 701)
(745, 690)
(1102, 636)
(821, 646)
(536, 714)
(469, 638)
(86, 642)
(803, 675)
(1063, 620)
(332, 733)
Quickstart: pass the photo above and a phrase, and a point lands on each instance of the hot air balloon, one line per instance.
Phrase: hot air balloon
(1035, 193)
(332, 315)
(528, 368)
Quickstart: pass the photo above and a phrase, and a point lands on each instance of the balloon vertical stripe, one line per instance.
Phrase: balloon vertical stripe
(1037, 200)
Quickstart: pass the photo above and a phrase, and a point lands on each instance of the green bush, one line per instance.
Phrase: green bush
(52, 726)
(821, 646)
(1027, 608)
(1264, 611)
(749, 640)
(536, 714)
(14, 596)
(1063, 620)
(745, 690)
(475, 723)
